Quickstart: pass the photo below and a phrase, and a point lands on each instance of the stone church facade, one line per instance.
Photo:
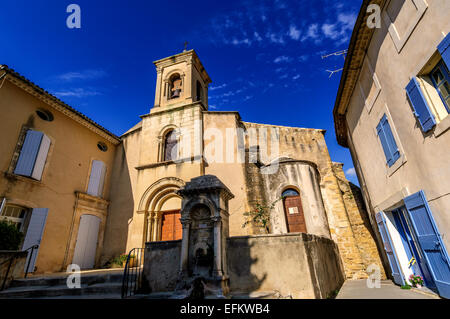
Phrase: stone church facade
(84, 195)
(180, 140)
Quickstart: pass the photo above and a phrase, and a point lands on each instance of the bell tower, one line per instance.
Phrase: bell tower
(181, 80)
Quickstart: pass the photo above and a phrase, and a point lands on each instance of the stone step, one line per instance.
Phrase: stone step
(89, 278)
(113, 290)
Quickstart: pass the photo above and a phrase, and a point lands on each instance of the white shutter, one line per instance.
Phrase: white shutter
(41, 158)
(34, 234)
(86, 246)
(28, 154)
(96, 179)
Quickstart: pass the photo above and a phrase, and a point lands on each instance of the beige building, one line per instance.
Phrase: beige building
(56, 167)
(392, 112)
(181, 139)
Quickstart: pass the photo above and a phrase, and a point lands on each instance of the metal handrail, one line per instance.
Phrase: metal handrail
(11, 260)
(133, 273)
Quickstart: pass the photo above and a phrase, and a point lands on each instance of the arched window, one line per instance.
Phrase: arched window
(293, 210)
(170, 146)
(199, 91)
(175, 86)
(290, 192)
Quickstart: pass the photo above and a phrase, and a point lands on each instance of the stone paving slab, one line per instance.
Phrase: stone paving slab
(357, 289)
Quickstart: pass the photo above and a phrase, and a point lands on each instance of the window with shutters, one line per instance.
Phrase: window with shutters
(170, 146)
(16, 215)
(97, 179)
(440, 77)
(387, 140)
(33, 155)
(429, 91)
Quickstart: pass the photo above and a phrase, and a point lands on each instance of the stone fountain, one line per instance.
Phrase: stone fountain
(204, 217)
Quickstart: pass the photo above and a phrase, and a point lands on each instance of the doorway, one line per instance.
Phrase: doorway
(86, 245)
(293, 210)
(171, 228)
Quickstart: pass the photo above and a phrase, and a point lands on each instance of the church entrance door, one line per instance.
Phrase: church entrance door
(171, 228)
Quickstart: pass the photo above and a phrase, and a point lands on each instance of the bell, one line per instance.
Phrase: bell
(176, 93)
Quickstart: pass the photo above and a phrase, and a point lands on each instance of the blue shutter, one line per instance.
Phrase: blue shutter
(388, 247)
(430, 241)
(382, 137)
(387, 140)
(28, 154)
(420, 105)
(444, 50)
(395, 152)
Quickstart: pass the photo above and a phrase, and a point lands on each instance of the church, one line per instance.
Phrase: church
(120, 193)
(286, 168)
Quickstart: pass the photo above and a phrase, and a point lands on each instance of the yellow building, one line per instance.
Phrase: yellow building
(56, 169)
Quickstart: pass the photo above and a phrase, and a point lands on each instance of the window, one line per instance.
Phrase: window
(170, 146)
(102, 146)
(441, 79)
(96, 179)
(387, 140)
(33, 155)
(290, 192)
(45, 115)
(199, 91)
(175, 86)
(15, 215)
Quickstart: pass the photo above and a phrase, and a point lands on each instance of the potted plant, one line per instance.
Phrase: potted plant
(416, 281)
(131, 263)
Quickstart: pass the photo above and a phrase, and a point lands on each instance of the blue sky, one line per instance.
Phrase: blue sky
(264, 57)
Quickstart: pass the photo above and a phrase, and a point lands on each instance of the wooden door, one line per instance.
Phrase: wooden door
(171, 228)
(294, 214)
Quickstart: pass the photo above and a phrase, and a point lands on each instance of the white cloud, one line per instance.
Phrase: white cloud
(294, 33)
(296, 77)
(77, 92)
(351, 172)
(312, 33)
(213, 88)
(82, 75)
(303, 58)
(275, 38)
(282, 59)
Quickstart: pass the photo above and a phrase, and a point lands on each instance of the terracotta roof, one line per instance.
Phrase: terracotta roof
(41, 92)
(359, 43)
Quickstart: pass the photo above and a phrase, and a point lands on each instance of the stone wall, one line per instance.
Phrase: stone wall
(162, 265)
(17, 269)
(294, 265)
(361, 228)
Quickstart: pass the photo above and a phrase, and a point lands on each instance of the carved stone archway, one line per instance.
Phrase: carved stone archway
(152, 202)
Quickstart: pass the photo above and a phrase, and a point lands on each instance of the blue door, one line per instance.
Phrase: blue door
(430, 241)
(387, 242)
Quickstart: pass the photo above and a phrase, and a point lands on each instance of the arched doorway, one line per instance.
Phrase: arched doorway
(293, 210)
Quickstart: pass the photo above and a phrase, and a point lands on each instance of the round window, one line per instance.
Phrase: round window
(102, 146)
(45, 115)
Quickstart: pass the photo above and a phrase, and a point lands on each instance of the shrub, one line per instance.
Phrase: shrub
(10, 236)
